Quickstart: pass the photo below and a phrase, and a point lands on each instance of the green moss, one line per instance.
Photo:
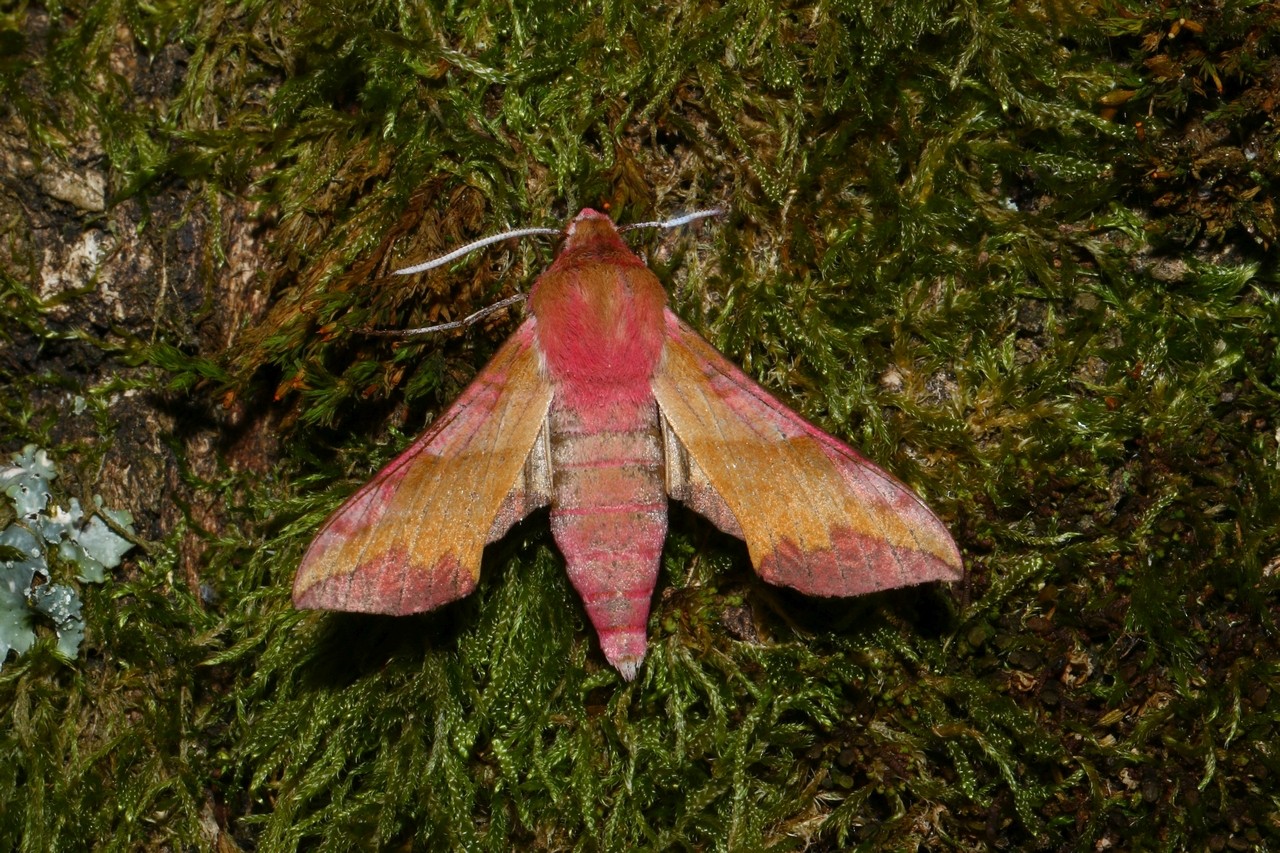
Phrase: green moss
(950, 242)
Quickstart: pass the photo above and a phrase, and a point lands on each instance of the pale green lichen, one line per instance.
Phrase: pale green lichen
(41, 530)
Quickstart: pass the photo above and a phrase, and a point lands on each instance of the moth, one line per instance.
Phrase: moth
(604, 405)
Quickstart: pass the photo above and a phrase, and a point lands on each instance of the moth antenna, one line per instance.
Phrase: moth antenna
(453, 324)
(478, 244)
(675, 222)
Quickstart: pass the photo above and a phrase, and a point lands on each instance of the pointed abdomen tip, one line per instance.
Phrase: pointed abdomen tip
(625, 651)
(628, 669)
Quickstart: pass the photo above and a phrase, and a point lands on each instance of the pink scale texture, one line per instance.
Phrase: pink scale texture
(603, 405)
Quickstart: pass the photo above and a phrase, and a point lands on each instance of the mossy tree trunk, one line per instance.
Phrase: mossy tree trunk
(1024, 256)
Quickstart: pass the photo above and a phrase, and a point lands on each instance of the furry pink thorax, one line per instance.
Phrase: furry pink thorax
(600, 334)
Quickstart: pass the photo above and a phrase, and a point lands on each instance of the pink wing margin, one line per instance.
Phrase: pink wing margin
(816, 515)
(411, 540)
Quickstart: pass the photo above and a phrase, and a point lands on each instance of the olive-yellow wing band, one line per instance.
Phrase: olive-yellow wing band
(411, 539)
(815, 514)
